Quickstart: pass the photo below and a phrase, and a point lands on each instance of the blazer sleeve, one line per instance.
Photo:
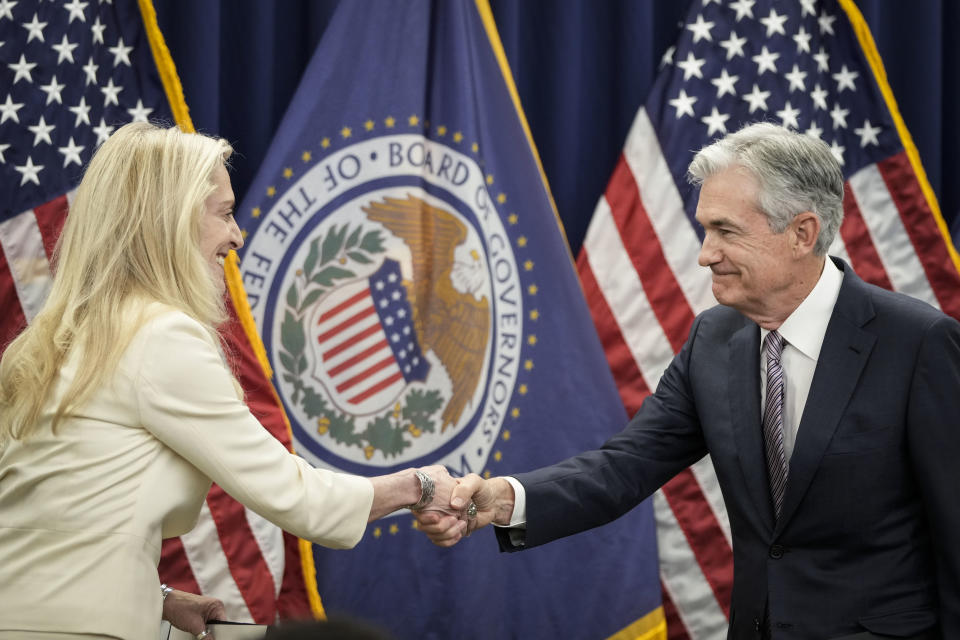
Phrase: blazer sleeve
(187, 400)
(596, 487)
(934, 442)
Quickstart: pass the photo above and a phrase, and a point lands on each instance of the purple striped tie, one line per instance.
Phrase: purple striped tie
(773, 420)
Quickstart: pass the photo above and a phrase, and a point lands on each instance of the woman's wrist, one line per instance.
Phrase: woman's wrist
(164, 592)
(394, 491)
(425, 489)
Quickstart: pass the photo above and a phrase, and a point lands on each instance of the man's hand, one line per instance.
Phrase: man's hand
(190, 612)
(492, 498)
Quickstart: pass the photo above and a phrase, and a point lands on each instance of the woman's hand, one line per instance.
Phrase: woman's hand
(190, 612)
(443, 486)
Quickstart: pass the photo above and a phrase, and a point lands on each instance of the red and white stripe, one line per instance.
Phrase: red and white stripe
(639, 271)
(238, 556)
(26, 246)
(355, 350)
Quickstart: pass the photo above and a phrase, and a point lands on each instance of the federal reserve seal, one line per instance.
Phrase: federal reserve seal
(387, 292)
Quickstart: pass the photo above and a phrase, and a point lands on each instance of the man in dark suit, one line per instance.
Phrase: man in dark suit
(830, 408)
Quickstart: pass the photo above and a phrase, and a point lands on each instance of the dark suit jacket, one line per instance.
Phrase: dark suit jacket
(869, 536)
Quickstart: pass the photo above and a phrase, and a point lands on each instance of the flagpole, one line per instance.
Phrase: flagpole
(869, 47)
(165, 67)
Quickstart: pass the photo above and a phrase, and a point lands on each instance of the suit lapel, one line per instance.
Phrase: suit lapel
(846, 349)
(744, 353)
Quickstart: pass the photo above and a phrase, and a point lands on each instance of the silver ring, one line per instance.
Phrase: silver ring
(472, 510)
(203, 634)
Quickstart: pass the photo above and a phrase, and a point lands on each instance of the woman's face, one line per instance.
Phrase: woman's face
(218, 230)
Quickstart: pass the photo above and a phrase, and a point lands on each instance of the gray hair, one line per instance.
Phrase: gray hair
(796, 173)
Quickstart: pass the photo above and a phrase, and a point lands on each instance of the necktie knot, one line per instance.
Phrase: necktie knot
(773, 346)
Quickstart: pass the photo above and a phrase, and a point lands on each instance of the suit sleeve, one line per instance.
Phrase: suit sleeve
(934, 441)
(596, 487)
(187, 400)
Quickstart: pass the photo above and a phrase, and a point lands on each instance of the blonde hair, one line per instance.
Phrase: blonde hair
(132, 234)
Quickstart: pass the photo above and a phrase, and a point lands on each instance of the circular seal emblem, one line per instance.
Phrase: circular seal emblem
(391, 307)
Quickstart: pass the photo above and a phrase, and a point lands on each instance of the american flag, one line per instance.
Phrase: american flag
(70, 74)
(810, 66)
(366, 338)
(69, 77)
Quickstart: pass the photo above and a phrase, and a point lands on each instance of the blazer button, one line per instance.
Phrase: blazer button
(776, 551)
(756, 624)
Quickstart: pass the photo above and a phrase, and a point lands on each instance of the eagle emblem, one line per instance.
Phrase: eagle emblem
(450, 317)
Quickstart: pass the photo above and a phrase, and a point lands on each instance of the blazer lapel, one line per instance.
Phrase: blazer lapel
(846, 349)
(744, 393)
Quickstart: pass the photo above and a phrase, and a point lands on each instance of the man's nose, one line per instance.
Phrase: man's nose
(708, 253)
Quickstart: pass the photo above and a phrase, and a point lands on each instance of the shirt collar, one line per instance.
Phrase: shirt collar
(805, 328)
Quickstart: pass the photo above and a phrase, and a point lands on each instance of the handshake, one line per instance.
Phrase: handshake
(460, 506)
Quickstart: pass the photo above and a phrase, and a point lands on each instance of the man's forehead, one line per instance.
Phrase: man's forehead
(731, 208)
(709, 217)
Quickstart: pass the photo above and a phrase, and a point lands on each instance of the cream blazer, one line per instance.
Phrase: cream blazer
(82, 513)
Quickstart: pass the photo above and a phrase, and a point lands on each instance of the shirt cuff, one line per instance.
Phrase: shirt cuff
(518, 519)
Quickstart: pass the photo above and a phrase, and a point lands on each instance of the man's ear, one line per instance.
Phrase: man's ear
(806, 229)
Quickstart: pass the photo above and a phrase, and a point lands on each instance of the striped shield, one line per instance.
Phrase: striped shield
(365, 347)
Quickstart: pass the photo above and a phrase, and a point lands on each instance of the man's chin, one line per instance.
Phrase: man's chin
(724, 295)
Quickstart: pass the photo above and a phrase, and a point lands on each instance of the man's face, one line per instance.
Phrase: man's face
(751, 264)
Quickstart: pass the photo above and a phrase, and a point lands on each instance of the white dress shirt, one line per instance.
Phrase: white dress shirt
(803, 331)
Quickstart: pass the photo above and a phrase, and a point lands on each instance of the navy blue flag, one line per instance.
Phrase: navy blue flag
(419, 305)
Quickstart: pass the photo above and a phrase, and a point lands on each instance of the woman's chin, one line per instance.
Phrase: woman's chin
(219, 279)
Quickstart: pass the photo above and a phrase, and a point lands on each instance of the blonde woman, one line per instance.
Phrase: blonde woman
(117, 408)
